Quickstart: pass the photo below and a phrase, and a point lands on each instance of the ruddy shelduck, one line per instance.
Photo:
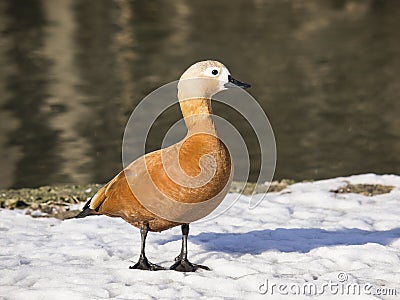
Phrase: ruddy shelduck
(181, 183)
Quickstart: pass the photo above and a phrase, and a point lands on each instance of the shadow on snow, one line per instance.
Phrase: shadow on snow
(300, 240)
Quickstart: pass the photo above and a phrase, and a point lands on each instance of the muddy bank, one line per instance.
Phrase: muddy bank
(62, 201)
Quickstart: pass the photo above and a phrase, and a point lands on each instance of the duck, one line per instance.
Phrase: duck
(179, 184)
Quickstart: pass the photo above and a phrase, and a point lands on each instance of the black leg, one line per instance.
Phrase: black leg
(143, 263)
(182, 263)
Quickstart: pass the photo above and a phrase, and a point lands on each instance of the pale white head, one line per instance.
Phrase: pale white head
(205, 79)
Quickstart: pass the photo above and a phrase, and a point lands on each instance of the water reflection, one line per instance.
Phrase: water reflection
(326, 73)
(27, 81)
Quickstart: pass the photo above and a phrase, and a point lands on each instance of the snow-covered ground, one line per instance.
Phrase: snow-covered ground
(304, 235)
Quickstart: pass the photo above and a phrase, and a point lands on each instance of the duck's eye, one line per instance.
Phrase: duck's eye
(214, 72)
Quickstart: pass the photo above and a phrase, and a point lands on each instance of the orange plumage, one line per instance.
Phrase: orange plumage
(181, 183)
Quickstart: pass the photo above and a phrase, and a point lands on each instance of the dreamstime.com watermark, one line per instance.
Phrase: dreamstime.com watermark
(339, 287)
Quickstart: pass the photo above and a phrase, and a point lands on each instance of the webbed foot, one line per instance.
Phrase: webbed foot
(183, 265)
(144, 264)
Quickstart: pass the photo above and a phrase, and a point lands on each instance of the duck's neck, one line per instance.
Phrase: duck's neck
(197, 113)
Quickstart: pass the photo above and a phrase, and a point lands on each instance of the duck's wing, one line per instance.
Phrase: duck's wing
(92, 207)
(116, 199)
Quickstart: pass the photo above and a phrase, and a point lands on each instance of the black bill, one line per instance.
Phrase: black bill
(236, 83)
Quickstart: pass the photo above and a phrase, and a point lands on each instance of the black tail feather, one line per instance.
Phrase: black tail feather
(86, 211)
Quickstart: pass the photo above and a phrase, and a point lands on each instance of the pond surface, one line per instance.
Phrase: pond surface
(327, 73)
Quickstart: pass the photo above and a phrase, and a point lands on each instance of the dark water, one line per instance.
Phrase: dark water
(327, 73)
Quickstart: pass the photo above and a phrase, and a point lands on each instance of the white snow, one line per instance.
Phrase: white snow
(302, 235)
